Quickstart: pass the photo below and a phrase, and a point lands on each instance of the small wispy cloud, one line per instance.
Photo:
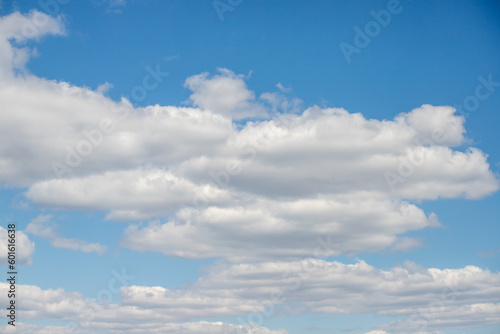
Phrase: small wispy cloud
(490, 253)
(170, 58)
(407, 244)
(104, 88)
(283, 88)
(43, 226)
(112, 6)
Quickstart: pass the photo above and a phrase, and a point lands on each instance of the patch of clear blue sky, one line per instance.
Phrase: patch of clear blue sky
(432, 52)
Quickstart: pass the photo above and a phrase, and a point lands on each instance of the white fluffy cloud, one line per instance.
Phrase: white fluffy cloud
(24, 247)
(66, 131)
(42, 226)
(21, 28)
(131, 194)
(225, 93)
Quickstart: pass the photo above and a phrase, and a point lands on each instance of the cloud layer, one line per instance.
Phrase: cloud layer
(426, 299)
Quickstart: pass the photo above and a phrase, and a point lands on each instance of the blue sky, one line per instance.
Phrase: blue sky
(203, 83)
